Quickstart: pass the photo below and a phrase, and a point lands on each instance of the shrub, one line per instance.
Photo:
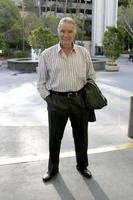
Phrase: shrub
(113, 43)
(41, 38)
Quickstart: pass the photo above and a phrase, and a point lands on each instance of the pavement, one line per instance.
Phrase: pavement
(24, 142)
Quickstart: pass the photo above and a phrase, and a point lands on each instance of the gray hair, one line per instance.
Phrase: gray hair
(69, 20)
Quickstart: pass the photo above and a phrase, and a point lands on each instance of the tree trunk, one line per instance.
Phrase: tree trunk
(39, 8)
(46, 6)
(84, 15)
(78, 5)
(65, 7)
(50, 8)
(56, 5)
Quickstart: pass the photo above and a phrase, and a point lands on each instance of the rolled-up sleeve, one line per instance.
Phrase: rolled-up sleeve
(42, 77)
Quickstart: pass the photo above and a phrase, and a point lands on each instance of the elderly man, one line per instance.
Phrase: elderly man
(62, 73)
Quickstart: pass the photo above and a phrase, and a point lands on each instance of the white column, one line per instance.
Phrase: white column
(104, 13)
(111, 8)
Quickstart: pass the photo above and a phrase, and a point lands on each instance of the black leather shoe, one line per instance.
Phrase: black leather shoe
(85, 172)
(48, 176)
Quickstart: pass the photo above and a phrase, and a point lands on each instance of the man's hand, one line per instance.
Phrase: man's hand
(48, 98)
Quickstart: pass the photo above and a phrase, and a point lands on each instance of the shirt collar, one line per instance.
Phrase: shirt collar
(59, 49)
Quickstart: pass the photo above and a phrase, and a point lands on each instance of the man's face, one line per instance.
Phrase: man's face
(66, 34)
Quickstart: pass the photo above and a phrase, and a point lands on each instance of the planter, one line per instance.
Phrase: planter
(98, 64)
(111, 67)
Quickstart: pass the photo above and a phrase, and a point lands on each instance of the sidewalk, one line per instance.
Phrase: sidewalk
(112, 179)
(24, 142)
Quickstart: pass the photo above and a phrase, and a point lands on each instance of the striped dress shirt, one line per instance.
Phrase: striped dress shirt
(62, 73)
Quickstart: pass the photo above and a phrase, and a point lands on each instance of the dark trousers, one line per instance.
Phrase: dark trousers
(60, 108)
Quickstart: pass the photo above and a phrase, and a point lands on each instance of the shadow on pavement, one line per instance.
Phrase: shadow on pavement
(61, 188)
(96, 189)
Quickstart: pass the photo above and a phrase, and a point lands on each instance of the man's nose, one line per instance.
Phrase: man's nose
(65, 34)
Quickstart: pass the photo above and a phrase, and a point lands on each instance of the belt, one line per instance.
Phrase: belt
(67, 94)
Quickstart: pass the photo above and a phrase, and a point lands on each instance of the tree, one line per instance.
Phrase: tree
(78, 22)
(83, 23)
(56, 6)
(9, 15)
(113, 44)
(78, 6)
(65, 7)
(32, 6)
(9, 21)
(41, 38)
(123, 2)
(125, 18)
(10, 26)
(51, 22)
(29, 5)
(46, 5)
(31, 22)
(50, 7)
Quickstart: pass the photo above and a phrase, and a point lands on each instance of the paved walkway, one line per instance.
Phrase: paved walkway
(24, 142)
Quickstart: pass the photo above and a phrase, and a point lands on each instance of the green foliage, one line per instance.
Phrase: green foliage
(125, 18)
(78, 22)
(87, 28)
(31, 22)
(16, 31)
(10, 25)
(1, 40)
(29, 5)
(4, 46)
(123, 3)
(113, 43)
(125, 14)
(21, 54)
(9, 14)
(41, 38)
(51, 22)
